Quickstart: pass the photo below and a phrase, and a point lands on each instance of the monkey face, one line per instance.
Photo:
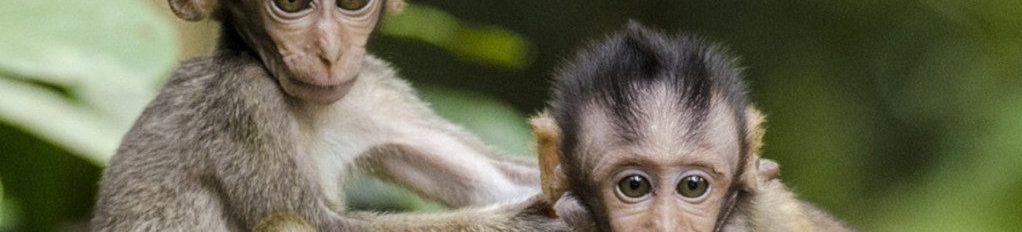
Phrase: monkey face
(317, 45)
(670, 176)
(655, 133)
(320, 44)
(314, 48)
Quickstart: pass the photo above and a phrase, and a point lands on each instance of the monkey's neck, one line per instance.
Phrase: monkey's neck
(232, 44)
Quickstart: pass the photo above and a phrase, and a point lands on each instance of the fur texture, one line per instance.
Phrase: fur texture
(617, 89)
(221, 150)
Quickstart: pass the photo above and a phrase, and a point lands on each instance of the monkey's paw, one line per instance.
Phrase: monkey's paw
(283, 222)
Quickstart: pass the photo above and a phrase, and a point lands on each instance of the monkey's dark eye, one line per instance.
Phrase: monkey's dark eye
(352, 5)
(292, 6)
(693, 186)
(634, 186)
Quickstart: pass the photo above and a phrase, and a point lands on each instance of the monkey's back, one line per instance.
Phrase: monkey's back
(161, 175)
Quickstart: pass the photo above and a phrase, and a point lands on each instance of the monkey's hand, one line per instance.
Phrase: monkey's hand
(283, 221)
(570, 209)
(768, 169)
(534, 215)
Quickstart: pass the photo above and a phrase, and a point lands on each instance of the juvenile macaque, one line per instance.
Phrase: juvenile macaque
(262, 134)
(648, 132)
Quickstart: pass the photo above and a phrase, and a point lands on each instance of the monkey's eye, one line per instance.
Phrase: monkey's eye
(693, 186)
(634, 186)
(352, 5)
(292, 6)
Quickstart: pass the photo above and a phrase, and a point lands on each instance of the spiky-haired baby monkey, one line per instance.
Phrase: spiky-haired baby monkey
(655, 133)
(262, 134)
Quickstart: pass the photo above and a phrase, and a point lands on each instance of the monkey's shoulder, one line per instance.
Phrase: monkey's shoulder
(221, 83)
(228, 75)
(211, 99)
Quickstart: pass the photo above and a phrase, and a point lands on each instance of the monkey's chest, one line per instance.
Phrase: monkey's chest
(332, 170)
(335, 161)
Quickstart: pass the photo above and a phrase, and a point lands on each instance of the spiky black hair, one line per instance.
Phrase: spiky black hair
(619, 71)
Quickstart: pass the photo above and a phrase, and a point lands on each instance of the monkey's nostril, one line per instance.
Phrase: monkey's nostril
(326, 61)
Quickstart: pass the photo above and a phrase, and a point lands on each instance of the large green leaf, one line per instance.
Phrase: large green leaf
(98, 65)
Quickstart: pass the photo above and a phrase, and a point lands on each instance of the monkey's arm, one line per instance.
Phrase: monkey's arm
(519, 216)
(511, 217)
(454, 169)
(432, 156)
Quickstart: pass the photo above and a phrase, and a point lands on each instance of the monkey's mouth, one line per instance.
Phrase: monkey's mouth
(311, 86)
(323, 94)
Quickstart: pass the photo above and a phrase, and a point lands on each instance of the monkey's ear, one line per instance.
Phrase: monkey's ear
(754, 120)
(548, 139)
(755, 173)
(192, 10)
(395, 6)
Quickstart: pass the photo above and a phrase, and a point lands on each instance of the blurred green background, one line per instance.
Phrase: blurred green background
(893, 115)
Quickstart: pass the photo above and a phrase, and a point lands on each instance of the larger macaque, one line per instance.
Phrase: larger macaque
(648, 132)
(262, 134)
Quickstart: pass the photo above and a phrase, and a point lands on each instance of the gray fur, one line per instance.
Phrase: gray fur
(222, 147)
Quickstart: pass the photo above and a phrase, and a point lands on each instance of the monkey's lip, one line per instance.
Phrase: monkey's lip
(321, 93)
(315, 86)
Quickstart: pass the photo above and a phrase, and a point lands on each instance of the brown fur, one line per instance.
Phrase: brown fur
(547, 137)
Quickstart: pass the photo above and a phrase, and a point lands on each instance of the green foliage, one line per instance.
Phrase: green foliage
(59, 61)
(894, 115)
(975, 184)
(488, 45)
(8, 216)
(3, 209)
(74, 74)
(494, 121)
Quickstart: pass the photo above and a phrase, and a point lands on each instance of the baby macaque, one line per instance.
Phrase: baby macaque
(263, 134)
(648, 132)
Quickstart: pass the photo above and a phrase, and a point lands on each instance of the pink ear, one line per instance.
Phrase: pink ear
(192, 10)
(548, 138)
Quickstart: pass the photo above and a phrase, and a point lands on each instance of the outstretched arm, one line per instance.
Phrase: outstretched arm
(523, 216)
(446, 164)
(414, 147)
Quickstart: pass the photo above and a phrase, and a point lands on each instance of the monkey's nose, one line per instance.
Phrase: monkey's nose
(329, 39)
(330, 50)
